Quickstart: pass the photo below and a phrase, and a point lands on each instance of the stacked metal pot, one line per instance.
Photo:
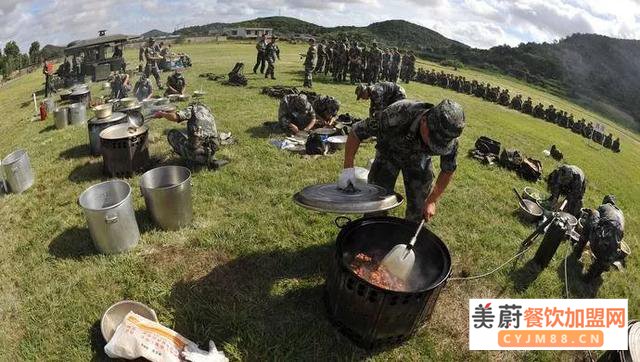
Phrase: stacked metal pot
(108, 207)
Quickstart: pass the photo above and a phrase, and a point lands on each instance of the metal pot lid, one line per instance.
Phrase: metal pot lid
(329, 198)
(136, 107)
(114, 117)
(135, 119)
(325, 131)
(337, 139)
(122, 131)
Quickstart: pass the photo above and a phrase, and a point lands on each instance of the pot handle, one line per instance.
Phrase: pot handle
(111, 219)
(341, 221)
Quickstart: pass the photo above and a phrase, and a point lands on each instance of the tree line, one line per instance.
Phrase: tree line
(11, 59)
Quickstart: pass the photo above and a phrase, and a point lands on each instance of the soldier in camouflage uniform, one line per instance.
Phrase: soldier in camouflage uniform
(603, 229)
(538, 111)
(381, 95)
(550, 114)
(516, 102)
(309, 63)
(341, 61)
(386, 61)
(261, 47)
(409, 133)
(355, 62)
(271, 53)
(152, 55)
(176, 84)
(394, 66)
(329, 52)
(200, 143)
(344, 60)
(408, 65)
(527, 106)
(374, 63)
(615, 146)
(322, 57)
(326, 109)
(296, 114)
(568, 180)
(608, 140)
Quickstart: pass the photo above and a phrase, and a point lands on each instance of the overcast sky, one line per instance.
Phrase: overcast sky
(479, 23)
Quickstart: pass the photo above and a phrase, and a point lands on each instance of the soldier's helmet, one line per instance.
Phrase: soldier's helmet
(360, 90)
(445, 122)
(609, 199)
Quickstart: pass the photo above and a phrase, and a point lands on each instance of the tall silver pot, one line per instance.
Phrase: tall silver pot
(108, 208)
(17, 172)
(167, 194)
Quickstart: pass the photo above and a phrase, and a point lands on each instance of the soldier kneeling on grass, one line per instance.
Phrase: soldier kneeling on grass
(201, 141)
(603, 229)
(296, 114)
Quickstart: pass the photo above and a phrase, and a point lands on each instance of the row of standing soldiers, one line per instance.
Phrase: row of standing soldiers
(357, 62)
(501, 96)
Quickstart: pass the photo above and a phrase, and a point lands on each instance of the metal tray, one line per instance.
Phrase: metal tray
(329, 198)
(122, 131)
(115, 116)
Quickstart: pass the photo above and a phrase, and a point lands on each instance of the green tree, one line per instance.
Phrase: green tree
(11, 49)
(34, 52)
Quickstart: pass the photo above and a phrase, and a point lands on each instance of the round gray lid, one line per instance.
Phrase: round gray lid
(122, 130)
(114, 117)
(361, 200)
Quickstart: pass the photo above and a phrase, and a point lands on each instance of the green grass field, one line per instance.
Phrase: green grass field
(249, 273)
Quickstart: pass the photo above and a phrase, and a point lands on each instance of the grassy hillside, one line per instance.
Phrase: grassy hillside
(249, 272)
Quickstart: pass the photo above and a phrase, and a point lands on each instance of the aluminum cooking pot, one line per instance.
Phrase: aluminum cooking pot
(108, 208)
(103, 110)
(61, 117)
(167, 194)
(17, 172)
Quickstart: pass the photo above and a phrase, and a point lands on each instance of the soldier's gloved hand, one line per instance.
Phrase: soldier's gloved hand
(347, 177)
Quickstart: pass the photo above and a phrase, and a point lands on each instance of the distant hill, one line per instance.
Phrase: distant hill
(154, 33)
(52, 51)
(600, 72)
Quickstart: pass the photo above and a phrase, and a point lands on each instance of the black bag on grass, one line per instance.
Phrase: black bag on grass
(315, 144)
(488, 146)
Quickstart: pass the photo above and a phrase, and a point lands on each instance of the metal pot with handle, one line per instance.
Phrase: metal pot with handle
(108, 208)
(17, 172)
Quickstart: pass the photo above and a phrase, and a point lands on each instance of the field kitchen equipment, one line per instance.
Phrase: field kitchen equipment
(373, 316)
(370, 313)
(533, 194)
(18, 175)
(366, 198)
(61, 117)
(400, 260)
(127, 103)
(337, 143)
(80, 94)
(116, 313)
(50, 104)
(97, 125)
(96, 55)
(125, 150)
(167, 194)
(529, 210)
(108, 208)
(77, 113)
(560, 228)
(103, 110)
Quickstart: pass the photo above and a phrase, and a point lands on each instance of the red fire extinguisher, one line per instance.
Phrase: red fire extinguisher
(43, 111)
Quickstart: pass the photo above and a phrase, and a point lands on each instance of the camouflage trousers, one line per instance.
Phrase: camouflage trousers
(417, 176)
(355, 72)
(180, 144)
(270, 69)
(152, 69)
(308, 77)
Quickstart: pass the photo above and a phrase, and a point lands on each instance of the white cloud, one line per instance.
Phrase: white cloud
(480, 23)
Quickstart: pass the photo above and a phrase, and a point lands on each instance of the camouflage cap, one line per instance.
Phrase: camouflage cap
(360, 89)
(446, 122)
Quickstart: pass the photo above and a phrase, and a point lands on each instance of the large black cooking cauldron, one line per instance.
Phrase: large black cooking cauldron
(373, 317)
